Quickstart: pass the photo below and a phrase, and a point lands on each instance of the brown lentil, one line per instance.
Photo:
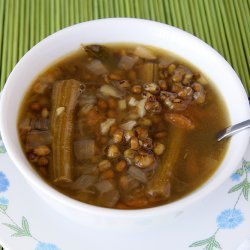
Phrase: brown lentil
(108, 174)
(124, 84)
(118, 135)
(145, 122)
(112, 103)
(123, 182)
(111, 114)
(163, 84)
(154, 107)
(32, 157)
(187, 79)
(171, 68)
(159, 148)
(113, 151)
(45, 113)
(134, 143)
(113, 128)
(144, 161)
(129, 155)
(104, 165)
(43, 161)
(163, 74)
(152, 88)
(141, 132)
(102, 104)
(41, 150)
(128, 134)
(199, 97)
(176, 87)
(115, 76)
(136, 89)
(147, 143)
(177, 77)
(120, 166)
(35, 106)
(197, 87)
(104, 140)
(149, 96)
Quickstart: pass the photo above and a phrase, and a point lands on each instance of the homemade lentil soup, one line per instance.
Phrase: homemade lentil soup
(123, 126)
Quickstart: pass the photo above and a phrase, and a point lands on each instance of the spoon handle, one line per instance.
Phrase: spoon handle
(232, 130)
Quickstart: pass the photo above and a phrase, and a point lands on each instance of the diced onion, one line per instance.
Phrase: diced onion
(36, 138)
(86, 168)
(86, 99)
(139, 104)
(85, 109)
(144, 53)
(97, 67)
(138, 174)
(105, 126)
(127, 62)
(141, 107)
(122, 104)
(132, 102)
(84, 182)
(109, 199)
(128, 125)
(84, 149)
(104, 186)
(108, 90)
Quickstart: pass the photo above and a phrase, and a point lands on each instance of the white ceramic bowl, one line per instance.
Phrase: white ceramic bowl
(110, 31)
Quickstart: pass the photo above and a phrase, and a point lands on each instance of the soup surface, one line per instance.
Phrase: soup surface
(123, 126)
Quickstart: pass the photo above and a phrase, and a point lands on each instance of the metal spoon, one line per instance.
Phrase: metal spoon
(232, 130)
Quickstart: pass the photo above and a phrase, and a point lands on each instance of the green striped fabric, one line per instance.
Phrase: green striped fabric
(224, 24)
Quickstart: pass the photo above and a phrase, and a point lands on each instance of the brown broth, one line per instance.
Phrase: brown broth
(199, 153)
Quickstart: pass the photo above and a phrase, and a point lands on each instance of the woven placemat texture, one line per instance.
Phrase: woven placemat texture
(224, 24)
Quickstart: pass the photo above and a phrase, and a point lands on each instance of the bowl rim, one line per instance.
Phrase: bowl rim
(42, 186)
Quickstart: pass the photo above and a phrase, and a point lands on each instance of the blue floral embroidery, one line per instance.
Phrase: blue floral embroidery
(22, 229)
(46, 246)
(4, 182)
(230, 219)
(2, 147)
(235, 177)
(4, 201)
(3, 204)
(247, 165)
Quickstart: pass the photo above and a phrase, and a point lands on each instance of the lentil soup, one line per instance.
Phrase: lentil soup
(123, 126)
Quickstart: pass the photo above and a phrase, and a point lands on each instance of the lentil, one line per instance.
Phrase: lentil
(113, 151)
(42, 150)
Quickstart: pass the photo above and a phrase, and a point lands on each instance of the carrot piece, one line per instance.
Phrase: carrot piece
(179, 120)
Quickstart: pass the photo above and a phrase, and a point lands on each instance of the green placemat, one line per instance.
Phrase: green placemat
(224, 24)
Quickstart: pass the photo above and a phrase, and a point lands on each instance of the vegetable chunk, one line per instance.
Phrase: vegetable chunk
(64, 99)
